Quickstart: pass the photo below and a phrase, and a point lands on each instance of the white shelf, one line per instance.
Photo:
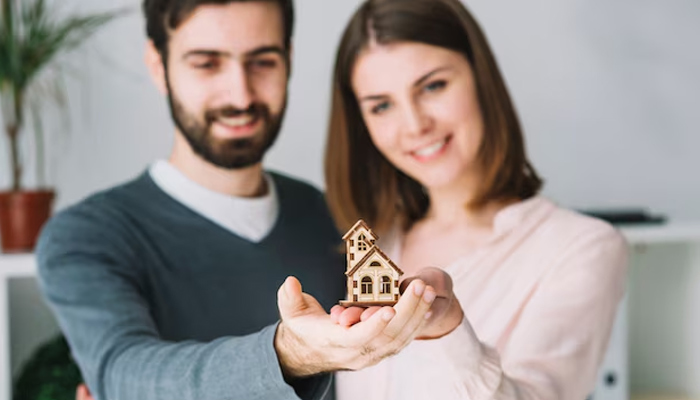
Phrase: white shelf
(672, 232)
(17, 265)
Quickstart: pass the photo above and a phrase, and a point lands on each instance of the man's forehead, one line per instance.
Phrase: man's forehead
(236, 28)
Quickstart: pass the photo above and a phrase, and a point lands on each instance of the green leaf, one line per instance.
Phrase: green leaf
(30, 40)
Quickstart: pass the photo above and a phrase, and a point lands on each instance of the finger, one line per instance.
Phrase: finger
(404, 284)
(369, 312)
(290, 299)
(335, 313)
(438, 279)
(360, 334)
(418, 320)
(350, 316)
(411, 306)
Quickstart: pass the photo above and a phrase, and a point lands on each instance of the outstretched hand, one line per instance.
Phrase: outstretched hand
(309, 342)
(82, 393)
(445, 315)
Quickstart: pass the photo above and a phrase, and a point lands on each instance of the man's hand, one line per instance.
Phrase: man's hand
(82, 393)
(446, 311)
(308, 342)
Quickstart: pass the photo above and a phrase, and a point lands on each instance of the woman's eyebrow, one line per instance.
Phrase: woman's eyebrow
(419, 82)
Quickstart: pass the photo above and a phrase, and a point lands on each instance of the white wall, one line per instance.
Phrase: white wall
(606, 91)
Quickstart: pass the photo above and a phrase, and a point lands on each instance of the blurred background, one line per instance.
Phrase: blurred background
(608, 93)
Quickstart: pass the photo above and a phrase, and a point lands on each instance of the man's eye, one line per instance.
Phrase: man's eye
(263, 63)
(435, 86)
(206, 65)
(380, 108)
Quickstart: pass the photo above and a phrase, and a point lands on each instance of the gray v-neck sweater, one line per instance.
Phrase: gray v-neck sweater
(160, 303)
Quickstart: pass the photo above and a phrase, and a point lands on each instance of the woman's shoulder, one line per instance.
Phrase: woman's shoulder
(573, 231)
(576, 224)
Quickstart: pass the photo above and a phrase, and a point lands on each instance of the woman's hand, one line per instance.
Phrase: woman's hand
(445, 315)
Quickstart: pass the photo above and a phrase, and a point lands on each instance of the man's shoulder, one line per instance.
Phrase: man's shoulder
(103, 209)
(99, 226)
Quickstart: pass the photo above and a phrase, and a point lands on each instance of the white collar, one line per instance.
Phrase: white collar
(250, 218)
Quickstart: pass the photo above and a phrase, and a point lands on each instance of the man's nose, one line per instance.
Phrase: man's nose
(238, 87)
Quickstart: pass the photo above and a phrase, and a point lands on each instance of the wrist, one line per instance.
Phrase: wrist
(446, 325)
(294, 359)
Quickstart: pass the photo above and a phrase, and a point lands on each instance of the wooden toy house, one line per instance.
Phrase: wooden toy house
(373, 279)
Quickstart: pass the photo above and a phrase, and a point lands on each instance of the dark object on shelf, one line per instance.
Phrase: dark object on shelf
(626, 216)
(50, 374)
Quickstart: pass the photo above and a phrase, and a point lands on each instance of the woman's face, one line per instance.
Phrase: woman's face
(420, 105)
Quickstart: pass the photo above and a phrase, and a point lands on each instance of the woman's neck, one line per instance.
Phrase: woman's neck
(448, 208)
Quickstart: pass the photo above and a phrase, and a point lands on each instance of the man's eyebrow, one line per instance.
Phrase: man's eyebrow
(267, 49)
(217, 53)
(419, 82)
(206, 53)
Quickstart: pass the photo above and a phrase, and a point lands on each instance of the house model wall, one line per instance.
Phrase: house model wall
(372, 278)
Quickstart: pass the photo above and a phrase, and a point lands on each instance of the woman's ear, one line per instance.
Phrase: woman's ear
(156, 66)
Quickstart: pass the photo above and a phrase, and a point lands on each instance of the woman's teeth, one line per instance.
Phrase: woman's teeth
(432, 149)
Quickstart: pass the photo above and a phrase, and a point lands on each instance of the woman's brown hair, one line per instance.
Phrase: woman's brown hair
(360, 182)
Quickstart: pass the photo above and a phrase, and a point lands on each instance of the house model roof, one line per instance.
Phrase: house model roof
(369, 254)
(359, 224)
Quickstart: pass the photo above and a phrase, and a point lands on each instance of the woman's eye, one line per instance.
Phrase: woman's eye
(380, 108)
(435, 86)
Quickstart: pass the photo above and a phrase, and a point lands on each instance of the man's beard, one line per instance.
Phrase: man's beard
(227, 153)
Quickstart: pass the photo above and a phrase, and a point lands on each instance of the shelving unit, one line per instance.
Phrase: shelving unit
(663, 296)
(11, 267)
(14, 268)
(676, 232)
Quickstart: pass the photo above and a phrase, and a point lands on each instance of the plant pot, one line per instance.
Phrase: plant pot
(22, 215)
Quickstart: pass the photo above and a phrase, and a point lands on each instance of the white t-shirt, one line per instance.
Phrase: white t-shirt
(249, 218)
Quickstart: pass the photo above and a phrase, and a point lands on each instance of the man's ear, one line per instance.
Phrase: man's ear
(156, 66)
(290, 57)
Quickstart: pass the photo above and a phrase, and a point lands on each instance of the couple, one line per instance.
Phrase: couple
(178, 285)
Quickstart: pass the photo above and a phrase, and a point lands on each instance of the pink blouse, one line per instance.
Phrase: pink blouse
(539, 302)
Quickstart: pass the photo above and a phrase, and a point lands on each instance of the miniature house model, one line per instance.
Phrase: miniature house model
(373, 279)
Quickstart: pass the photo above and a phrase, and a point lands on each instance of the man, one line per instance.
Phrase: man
(167, 287)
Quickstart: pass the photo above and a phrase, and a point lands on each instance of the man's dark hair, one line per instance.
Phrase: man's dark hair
(162, 16)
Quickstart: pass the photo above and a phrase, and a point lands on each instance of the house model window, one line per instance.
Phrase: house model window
(372, 278)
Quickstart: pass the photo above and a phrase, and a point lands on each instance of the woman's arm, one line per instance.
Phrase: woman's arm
(559, 339)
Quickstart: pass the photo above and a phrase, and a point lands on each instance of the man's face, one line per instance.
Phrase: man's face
(226, 75)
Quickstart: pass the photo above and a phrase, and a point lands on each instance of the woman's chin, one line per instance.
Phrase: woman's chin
(437, 181)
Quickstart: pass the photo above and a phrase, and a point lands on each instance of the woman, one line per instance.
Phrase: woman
(424, 144)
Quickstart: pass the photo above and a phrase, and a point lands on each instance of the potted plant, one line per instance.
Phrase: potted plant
(30, 40)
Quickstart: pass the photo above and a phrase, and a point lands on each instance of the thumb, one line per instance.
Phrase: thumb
(290, 299)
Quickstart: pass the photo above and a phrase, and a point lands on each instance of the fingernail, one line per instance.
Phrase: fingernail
(418, 289)
(387, 315)
(429, 296)
(428, 314)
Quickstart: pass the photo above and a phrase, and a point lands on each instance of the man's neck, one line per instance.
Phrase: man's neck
(243, 182)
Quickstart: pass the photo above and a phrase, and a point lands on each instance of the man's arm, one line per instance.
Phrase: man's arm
(90, 276)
